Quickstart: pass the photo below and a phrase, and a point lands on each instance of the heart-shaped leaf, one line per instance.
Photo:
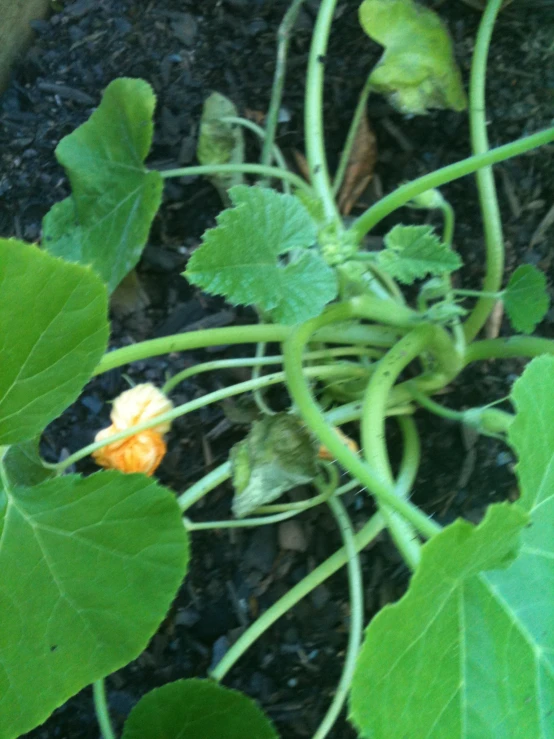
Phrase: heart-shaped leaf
(106, 220)
(54, 330)
(89, 569)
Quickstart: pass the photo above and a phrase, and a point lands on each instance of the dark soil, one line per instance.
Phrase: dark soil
(186, 49)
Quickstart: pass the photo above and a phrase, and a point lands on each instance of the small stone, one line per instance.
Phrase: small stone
(291, 536)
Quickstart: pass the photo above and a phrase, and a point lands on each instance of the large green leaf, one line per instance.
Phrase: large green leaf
(526, 298)
(197, 709)
(54, 330)
(469, 651)
(89, 568)
(278, 454)
(106, 220)
(241, 257)
(417, 70)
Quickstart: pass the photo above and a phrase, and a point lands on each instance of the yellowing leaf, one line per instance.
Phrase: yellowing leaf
(417, 70)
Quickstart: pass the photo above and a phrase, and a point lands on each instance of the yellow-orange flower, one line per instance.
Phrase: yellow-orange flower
(324, 453)
(144, 451)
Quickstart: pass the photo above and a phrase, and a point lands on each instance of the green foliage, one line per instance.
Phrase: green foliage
(22, 465)
(54, 331)
(240, 257)
(417, 70)
(106, 220)
(197, 709)
(469, 650)
(220, 142)
(526, 299)
(413, 252)
(89, 569)
(278, 454)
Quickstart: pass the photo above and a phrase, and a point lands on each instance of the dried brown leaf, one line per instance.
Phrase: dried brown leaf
(360, 167)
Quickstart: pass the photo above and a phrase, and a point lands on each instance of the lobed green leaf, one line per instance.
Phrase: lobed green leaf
(417, 70)
(413, 252)
(197, 709)
(240, 257)
(526, 299)
(54, 331)
(106, 220)
(89, 569)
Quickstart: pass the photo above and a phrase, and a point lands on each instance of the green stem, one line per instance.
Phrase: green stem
(274, 151)
(101, 709)
(379, 336)
(373, 429)
(246, 168)
(515, 346)
(315, 420)
(321, 573)
(241, 523)
(313, 113)
(219, 364)
(283, 41)
(323, 372)
(351, 136)
(258, 394)
(492, 221)
(489, 421)
(205, 485)
(478, 294)
(356, 591)
(410, 190)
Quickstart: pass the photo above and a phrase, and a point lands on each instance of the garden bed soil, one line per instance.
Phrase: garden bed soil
(186, 50)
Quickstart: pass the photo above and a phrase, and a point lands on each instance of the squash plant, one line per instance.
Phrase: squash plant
(90, 565)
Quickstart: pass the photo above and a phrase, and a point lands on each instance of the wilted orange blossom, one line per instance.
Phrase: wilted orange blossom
(141, 452)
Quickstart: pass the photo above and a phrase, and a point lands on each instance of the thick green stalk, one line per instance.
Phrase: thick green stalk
(379, 336)
(367, 534)
(403, 194)
(373, 429)
(515, 346)
(488, 200)
(315, 420)
(246, 168)
(313, 113)
(283, 41)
